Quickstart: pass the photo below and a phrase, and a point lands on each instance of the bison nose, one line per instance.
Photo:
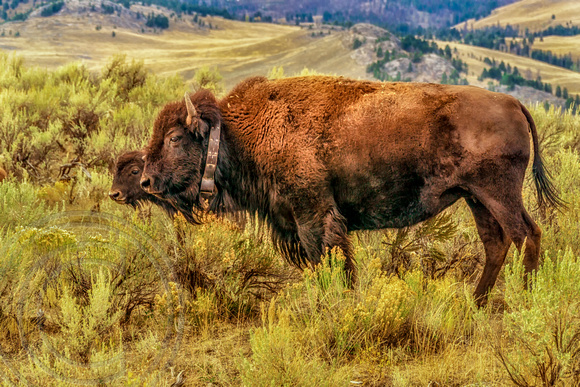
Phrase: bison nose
(145, 183)
(114, 194)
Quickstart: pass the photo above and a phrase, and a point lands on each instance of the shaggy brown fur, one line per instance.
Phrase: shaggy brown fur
(320, 156)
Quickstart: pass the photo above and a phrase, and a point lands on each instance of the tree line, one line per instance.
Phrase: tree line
(565, 61)
(511, 76)
(498, 38)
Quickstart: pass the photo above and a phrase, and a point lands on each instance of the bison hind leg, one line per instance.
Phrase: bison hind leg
(496, 244)
(501, 221)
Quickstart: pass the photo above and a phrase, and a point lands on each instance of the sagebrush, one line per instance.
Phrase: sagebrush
(92, 303)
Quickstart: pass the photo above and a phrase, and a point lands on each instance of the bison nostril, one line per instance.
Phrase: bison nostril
(114, 195)
(145, 183)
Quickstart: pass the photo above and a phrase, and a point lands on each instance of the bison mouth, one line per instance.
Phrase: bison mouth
(125, 200)
(117, 198)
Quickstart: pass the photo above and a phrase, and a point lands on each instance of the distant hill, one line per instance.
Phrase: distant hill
(171, 43)
(81, 32)
(18, 10)
(560, 45)
(475, 57)
(535, 15)
(424, 13)
(401, 13)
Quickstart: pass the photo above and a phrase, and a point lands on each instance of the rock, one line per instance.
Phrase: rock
(364, 55)
(398, 68)
(371, 37)
(429, 69)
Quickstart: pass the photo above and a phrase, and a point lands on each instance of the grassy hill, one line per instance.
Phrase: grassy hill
(533, 14)
(237, 49)
(560, 45)
(530, 68)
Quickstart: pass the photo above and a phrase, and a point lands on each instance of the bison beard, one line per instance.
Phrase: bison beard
(317, 157)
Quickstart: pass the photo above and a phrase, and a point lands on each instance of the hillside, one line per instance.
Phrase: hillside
(414, 13)
(92, 33)
(536, 15)
(237, 49)
(529, 68)
(560, 45)
(82, 31)
(401, 13)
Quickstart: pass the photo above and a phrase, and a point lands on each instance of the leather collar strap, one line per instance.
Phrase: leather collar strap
(207, 188)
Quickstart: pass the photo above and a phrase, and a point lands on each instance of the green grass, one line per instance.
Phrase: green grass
(100, 293)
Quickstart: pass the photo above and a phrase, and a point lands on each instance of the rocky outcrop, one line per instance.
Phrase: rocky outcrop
(369, 38)
(430, 69)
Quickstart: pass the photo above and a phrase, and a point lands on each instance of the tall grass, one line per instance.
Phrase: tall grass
(133, 298)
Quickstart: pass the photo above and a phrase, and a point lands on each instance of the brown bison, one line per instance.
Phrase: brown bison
(126, 188)
(317, 157)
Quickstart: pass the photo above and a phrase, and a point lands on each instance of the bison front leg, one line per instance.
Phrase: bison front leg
(321, 232)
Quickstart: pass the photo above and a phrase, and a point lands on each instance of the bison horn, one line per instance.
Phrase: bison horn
(191, 113)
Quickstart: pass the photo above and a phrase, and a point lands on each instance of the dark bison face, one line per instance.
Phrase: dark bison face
(175, 156)
(126, 178)
(126, 188)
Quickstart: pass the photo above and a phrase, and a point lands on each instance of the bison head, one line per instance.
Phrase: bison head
(126, 178)
(126, 188)
(175, 156)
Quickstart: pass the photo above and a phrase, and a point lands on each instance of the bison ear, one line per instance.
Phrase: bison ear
(191, 112)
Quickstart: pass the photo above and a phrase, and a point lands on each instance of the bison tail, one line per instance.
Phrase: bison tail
(547, 192)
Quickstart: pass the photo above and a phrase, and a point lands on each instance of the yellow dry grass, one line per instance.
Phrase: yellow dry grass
(237, 49)
(533, 14)
(561, 45)
(528, 67)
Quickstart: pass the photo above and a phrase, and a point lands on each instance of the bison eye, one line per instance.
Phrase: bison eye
(135, 171)
(174, 138)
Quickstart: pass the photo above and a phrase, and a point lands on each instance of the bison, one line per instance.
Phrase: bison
(317, 157)
(3, 174)
(126, 188)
